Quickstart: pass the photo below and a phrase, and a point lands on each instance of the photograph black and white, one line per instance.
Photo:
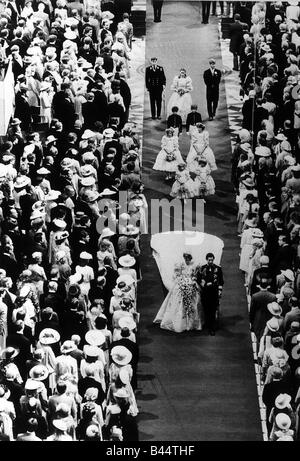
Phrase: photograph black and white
(149, 223)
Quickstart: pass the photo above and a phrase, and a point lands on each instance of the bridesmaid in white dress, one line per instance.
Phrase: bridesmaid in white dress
(181, 309)
(182, 86)
(200, 148)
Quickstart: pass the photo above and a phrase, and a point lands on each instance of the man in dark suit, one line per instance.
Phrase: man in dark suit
(205, 12)
(284, 257)
(236, 32)
(193, 117)
(157, 6)
(212, 78)
(210, 279)
(259, 314)
(155, 84)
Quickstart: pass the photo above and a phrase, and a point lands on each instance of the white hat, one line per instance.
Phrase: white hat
(91, 351)
(32, 385)
(85, 255)
(21, 181)
(121, 393)
(107, 192)
(273, 324)
(39, 372)
(70, 35)
(282, 401)
(52, 195)
(60, 424)
(87, 134)
(45, 86)
(274, 308)
(107, 232)
(49, 336)
(60, 223)
(95, 338)
(127, 261)
(68, 346)
(283, 421)
(288, 273)
(127, 322)
(88, 181)
(121, 355)
(24, 291)
(108, 133)
(43, 171)
(280, 137)
(127, 278)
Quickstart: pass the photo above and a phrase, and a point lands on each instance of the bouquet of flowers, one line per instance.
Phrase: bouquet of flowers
(188, 290)
(181, 91)
(170, 157)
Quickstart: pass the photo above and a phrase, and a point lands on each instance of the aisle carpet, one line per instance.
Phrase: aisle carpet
(193, 386)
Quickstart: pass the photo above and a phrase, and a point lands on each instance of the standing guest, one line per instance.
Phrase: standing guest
(212, 78)
(236, 39)
(157, 7)
(205, 12)
(259, 314)
(155, 84)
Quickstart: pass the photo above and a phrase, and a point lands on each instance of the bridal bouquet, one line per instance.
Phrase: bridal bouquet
(188, 290)
(180, 91)
(170, 157)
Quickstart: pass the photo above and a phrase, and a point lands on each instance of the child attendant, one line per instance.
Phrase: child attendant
(169, 157)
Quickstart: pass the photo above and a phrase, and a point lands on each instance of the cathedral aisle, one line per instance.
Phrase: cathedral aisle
(193, 386)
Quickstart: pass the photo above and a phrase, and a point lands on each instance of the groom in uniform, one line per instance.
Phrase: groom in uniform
(212, 78)
(210, 279)
(155, 84)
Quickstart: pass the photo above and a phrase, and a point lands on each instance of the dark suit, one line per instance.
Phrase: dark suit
(259, 314)
(192, 119)
(175, 121)
(212, 81)
(155, 81)
(210, 279)
(157, 6)
(236, 39)
(205, 12)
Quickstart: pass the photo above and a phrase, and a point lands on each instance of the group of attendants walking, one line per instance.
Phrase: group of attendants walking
(69, 247)
(266, 177)
(191, 176)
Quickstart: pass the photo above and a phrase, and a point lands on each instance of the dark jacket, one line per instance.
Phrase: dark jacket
(212, 80)
(155, 78)
(192, 119)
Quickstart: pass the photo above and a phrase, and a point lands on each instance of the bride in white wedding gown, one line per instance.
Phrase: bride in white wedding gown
(181, 309)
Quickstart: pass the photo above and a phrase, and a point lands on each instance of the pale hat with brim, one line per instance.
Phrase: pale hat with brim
(108, 133)
(283, 401)
(91, 351)
(21, 181)
(288, 273)
(60, 424)
(295, 168)
(86, 170)
(121, 393)
(29, 149)
(283, 421)
(9, 353)
(88, 181)
(37, 214)
(50, 139)
(95, 338)
(91, 196)
(280, 137)
(127, 322)
(87, 134)
(257, 233)
(274, 308)
(289, 160)
(273, 324)
(107, 232)
(70, 35)
(49, 336)
(121, 355)
(67, 347)
(262, 151)
(61, 235)
(85, 255)
(60, 223)
(107, 192)
(15, 121)
(32, 385)
(43, 171)
(39, 372)
(248, 182)
(127, 261)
